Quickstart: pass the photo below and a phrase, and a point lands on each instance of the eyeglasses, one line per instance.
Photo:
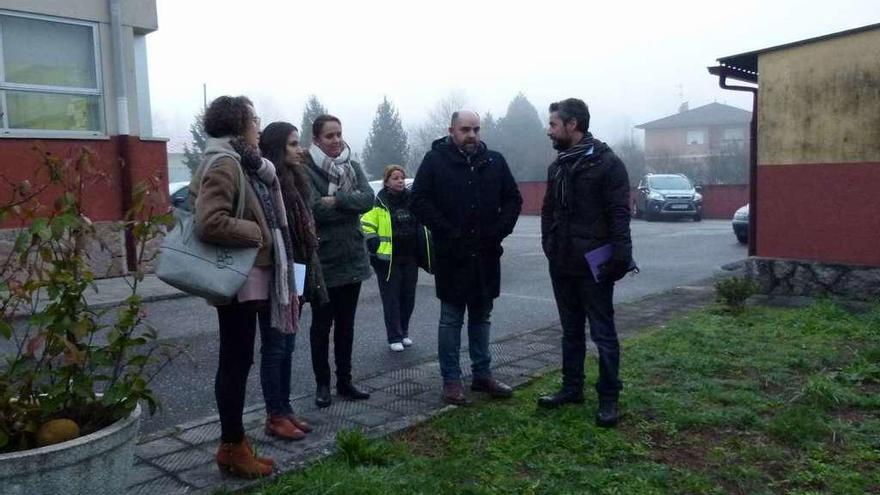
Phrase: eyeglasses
(256, 121)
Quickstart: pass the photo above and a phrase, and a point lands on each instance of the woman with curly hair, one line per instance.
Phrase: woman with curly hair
(340, 194)
(269, 294)
(279, 143)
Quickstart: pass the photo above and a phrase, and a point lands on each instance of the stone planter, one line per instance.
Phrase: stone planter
(95, 464)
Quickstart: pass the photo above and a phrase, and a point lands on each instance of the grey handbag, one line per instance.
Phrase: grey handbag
(213, 272)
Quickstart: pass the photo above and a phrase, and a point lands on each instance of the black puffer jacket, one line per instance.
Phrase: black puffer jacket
(470, 204)
(586, 205)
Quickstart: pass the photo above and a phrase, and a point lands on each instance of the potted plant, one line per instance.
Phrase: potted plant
(72, 376)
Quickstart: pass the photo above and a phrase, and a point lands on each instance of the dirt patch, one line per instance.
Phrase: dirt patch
(424, 441)
(853, 416)
(693, 451)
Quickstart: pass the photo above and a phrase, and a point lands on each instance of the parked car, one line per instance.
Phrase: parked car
(667, 196)
(378, 184)
(179, 193)
(741, 224)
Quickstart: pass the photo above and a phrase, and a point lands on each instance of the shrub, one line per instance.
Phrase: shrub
(732, 293)
(358, 450)
(70, 361)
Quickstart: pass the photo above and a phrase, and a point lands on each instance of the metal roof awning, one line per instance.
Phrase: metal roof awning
(736, 71)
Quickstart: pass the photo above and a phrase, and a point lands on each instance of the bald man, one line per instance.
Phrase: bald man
(465, 194)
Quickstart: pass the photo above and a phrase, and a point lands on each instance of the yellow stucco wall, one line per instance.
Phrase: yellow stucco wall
(820, 102)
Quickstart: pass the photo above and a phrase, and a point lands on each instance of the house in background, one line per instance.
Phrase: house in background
(815, 207)
(709, 144)
(74, 74)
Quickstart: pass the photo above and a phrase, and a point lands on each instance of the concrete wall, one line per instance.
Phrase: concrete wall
(138, 14)
(819, 151)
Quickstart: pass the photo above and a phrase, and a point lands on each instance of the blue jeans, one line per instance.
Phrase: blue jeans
(276, 351)
(449, 339)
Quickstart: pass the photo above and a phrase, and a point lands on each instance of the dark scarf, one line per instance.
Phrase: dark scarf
(565, 163)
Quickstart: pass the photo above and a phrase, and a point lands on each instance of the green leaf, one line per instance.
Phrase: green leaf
(41, 229)
(5, 329)
(46, 254)
(138, 360)
(4, 438)
(21, 242)
(63, 222)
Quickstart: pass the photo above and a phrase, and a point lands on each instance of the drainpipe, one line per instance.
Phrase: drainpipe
(753, 154)
(119, 67)
(122, 123)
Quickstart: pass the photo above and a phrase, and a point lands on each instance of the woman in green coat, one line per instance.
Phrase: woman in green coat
(340, 195)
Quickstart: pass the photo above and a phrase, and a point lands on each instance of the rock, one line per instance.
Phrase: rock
(782, 269)
(862, 284)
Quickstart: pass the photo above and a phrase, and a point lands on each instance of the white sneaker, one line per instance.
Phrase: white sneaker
(407, 341)
(396, 347)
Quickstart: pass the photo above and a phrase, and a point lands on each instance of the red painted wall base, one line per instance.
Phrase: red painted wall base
(820, 212)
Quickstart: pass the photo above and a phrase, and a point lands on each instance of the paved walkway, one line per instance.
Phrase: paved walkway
(180, 460)
(111, 292)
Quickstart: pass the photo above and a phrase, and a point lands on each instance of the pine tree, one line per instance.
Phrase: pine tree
(192, 155)
(387, 142)
(489, 132)
(523, 141)
(313, 110)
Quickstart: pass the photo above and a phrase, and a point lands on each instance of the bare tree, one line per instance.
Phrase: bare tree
(435, 125)
(632, 153)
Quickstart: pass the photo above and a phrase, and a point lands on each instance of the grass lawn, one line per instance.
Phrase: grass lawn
(770, 401)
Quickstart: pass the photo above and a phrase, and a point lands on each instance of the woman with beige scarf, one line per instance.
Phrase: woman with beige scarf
(340, 195)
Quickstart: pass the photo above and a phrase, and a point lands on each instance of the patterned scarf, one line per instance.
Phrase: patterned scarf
(282, 289)
(565, 162)
(338, 170)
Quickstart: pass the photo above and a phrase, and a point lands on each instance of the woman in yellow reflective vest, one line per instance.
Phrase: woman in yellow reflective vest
(398, 246)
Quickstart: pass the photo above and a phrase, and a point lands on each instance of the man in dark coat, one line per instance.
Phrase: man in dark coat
(465, 194)
(586, 208)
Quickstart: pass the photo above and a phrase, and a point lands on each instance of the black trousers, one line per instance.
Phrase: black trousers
(398, 298)
(337, 314)
(579, 299)
(238, 326)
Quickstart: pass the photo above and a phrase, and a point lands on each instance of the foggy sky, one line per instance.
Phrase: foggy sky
(632, 62)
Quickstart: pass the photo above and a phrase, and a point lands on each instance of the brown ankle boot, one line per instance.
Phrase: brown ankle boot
(222, 456)
(239, 460)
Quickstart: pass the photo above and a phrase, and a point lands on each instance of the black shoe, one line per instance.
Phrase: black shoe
(322, 396)
(561, 398)
(608, 414)
(349, 391)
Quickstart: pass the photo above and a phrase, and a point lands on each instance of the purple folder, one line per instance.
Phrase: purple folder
(598, 257)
